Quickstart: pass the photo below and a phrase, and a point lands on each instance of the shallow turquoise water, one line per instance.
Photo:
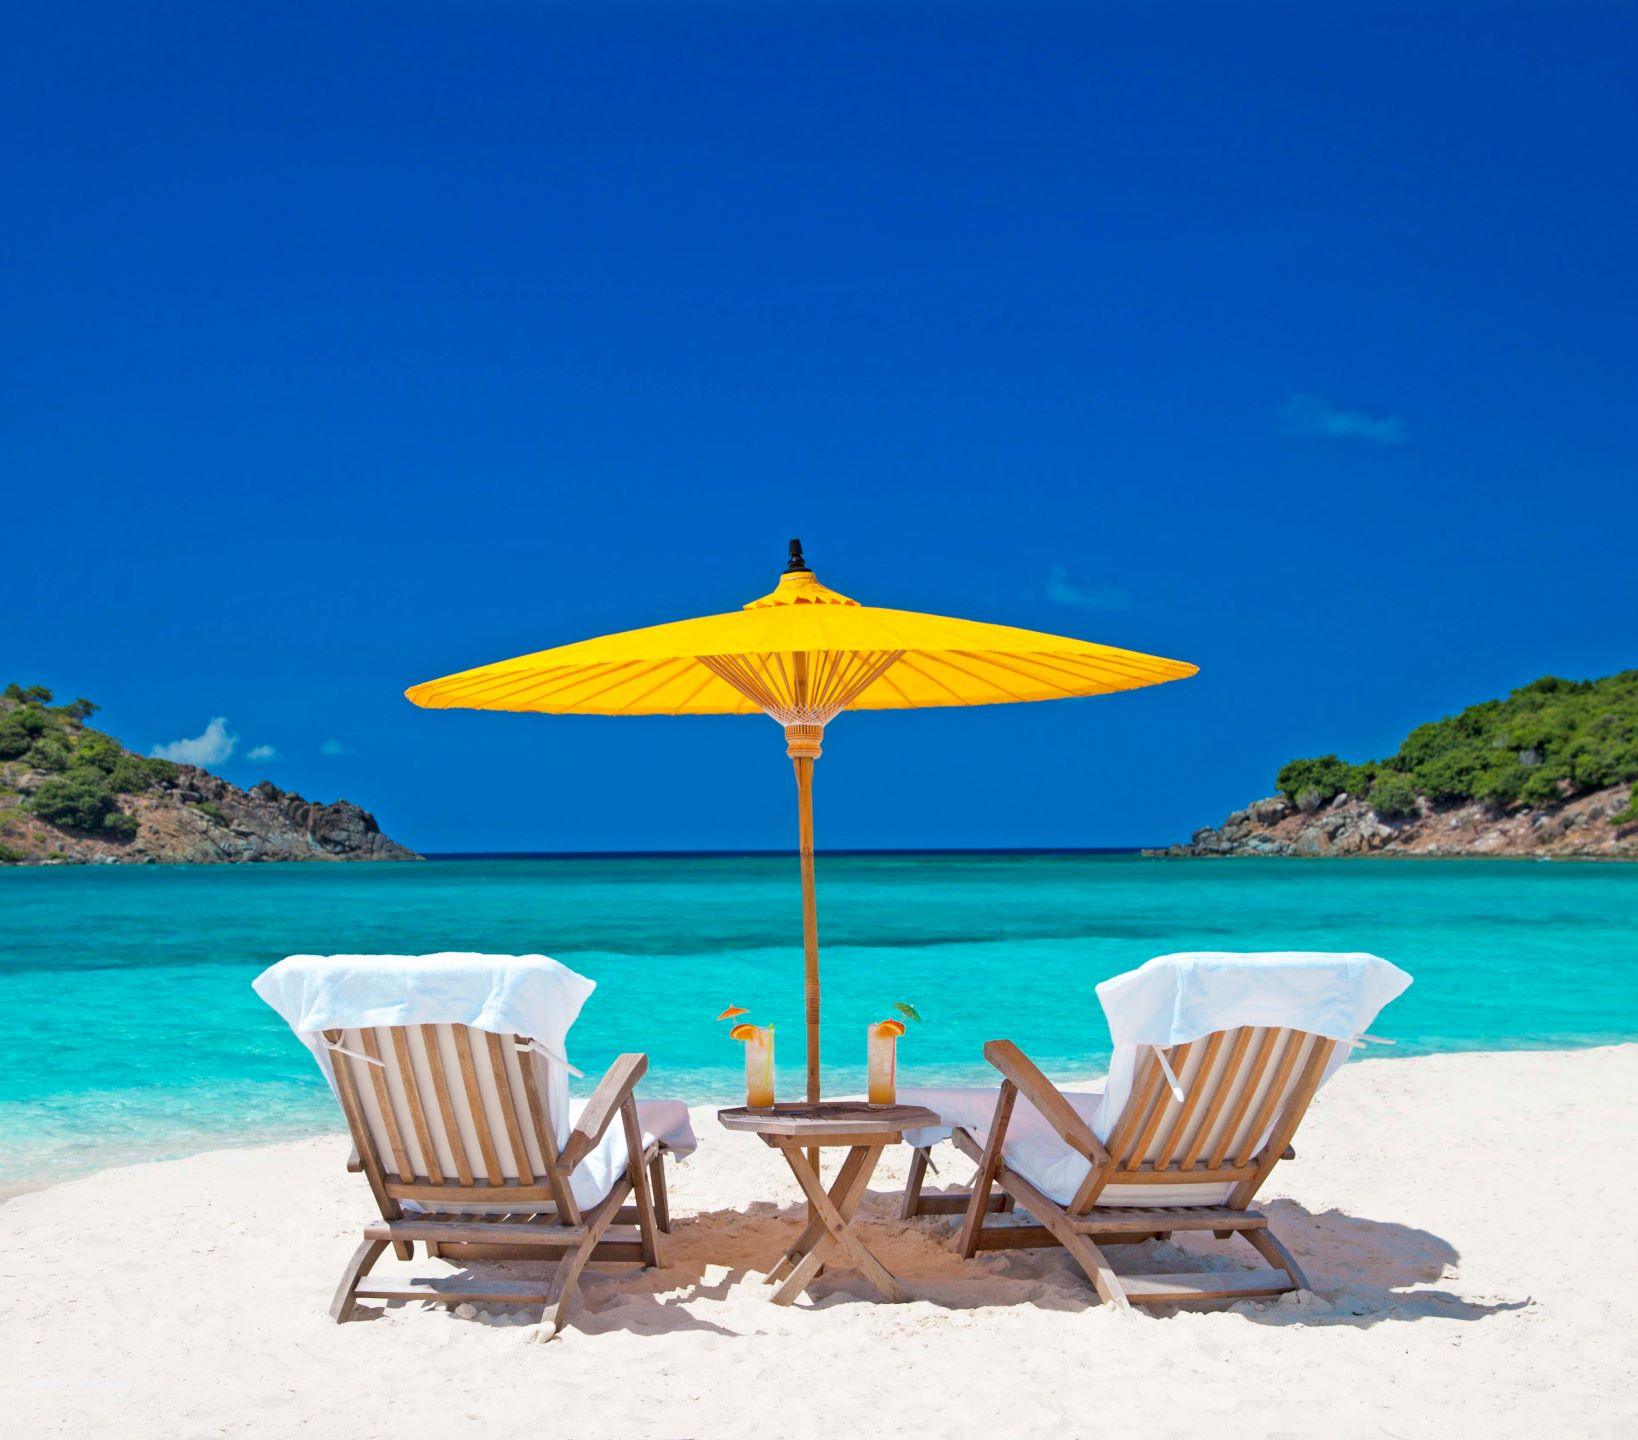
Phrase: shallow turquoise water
(130, 1030)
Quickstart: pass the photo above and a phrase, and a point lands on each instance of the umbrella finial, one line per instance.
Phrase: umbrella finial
(797, 563)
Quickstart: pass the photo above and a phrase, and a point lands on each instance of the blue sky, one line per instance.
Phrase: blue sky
(346, 346)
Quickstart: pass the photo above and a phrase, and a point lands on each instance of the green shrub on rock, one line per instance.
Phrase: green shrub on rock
(1393, 796)
(20, 728)
(49, 752)
(79, 799)
(119, 826)
(1326, 776)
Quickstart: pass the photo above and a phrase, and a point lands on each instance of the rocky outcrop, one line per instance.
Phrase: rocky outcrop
(1581, 828)
(73, 795)
(199, 818)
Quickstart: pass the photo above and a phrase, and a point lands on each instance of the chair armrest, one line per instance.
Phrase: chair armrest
(355, 1166)
(613, 1090)
(1044, 1096)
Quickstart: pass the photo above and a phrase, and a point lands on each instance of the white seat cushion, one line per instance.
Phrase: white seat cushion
(1034, 1149)
(665, 1121)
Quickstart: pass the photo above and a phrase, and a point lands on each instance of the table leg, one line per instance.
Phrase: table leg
(815, 1228)
(834, 1211)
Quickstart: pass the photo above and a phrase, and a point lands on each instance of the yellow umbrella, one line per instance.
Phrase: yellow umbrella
(802, 655)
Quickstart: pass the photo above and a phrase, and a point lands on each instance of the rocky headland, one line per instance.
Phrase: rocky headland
(70, 794)
(1583, 828)
(1547, 773)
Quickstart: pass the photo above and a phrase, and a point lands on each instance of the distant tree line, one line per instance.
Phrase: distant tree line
(1549, 741)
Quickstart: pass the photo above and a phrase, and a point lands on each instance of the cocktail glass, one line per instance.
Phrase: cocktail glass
(759, 1071)
(883, 1040)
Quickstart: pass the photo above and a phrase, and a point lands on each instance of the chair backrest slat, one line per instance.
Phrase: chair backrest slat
(383, 1099)
(1290, 1045)
(432, 1044)
(476, 1109)
(540, 1120)
(1217, 1096)
(1244, 1091)
(352, 1106)
(1159, 1108)
(1296, 1106)
(509, 1109)
(1195, 1084)
(1245, 1085)
(1137, 1108)
(452, 1115)
(430, 1167)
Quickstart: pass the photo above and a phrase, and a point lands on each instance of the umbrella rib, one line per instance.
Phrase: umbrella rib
(887, 659)
(893, 685)
(502, 688)
(541, 684)
(944, 658)
(666, 674)
(1063, 690)
(613, 684)
(1063, 667)
(742, 679)
(832, 665)
(835, 666)
(1124, 662)
(784, 686)
(694, 694)
(914, 667)
(488, 686)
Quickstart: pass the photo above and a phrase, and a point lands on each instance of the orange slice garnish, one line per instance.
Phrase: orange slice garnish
(895, 1028)
(732, 1011)
(742, 1032)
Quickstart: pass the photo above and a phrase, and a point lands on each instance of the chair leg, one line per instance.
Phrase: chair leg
(913, 1184)
(1267, 1244)
(662, 1201)
(647, 1227)
(1098, 1269)
(341, 1308)
(567, 1277)
(988, 1161)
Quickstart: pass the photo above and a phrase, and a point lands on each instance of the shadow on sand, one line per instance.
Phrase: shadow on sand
(1364, 1271)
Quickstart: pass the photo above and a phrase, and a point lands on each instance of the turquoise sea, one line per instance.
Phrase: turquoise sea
(129, 1029)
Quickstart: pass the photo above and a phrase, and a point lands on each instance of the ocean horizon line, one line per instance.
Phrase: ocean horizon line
(791, 853)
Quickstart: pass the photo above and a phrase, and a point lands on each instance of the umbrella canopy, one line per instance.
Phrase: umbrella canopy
(801, 654)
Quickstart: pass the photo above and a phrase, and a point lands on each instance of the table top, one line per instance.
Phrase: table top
(812, 1123)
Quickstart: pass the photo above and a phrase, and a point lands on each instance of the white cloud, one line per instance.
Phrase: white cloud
(1315, 417)
(211, 748)
(333, 748)
(261, 752)
(1064, 591)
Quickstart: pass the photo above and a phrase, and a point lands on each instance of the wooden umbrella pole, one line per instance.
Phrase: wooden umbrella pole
(802, 745)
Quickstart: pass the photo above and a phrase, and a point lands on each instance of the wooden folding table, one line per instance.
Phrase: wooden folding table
(830, 1234)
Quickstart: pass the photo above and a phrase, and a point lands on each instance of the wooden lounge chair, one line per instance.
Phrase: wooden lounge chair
(452, 1128)
(1168, 1164)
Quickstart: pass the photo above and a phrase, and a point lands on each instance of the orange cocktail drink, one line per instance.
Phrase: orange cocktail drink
(759, 1065)
(883, 1041)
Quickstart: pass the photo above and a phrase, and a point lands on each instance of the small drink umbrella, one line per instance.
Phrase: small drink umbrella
(801, 654)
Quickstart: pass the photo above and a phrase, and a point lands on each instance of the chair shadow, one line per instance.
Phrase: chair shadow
(1364, 1272)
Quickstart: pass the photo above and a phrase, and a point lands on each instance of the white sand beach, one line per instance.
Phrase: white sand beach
(1467, 1221)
